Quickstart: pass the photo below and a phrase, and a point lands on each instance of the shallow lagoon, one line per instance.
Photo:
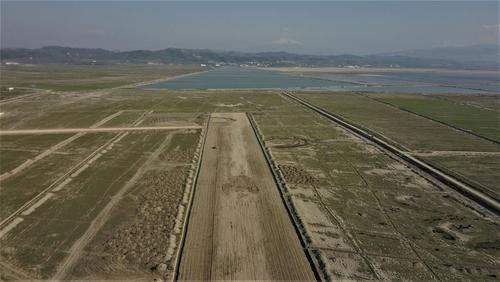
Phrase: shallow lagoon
(236, 77)
(404, 82)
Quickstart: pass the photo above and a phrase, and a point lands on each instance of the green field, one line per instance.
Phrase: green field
(5, 93)
(482, 170)
(488, 102)
(355, 203)
(14, 150)
(481, 121)
(409, 131)
(23, 186)
(417, 134)
(364, 214)
(65, 217)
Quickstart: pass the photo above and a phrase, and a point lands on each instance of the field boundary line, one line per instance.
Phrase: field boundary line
(434, 120)
(54, 184)
(106, 119)
(314, 259)
(489, 203)
(98, 222)
(54, 148)
(14, 271)
(26, 164)
(64, 177)
(187, 216)
(14, 99)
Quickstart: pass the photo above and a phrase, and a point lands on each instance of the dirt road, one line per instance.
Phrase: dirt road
(238, 227)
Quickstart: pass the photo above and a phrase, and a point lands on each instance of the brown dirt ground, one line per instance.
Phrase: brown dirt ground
(239, 228)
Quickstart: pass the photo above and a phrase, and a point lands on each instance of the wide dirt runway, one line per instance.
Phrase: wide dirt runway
(239, 228)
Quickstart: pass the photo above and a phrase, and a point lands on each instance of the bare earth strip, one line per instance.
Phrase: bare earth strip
(238, 227)
(54, 148)
(66, 178)
(42, 155)
(14, 99)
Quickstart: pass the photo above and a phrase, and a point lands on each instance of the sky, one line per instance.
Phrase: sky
(300, 27)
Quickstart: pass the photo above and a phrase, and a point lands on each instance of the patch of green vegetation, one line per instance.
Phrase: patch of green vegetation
(10, 159)
(66, 119)
(183, 141)
(482, 101)
(373, 197)
(481, 169)
(481, 121)
(20, 188)
(6, 93)
(384, 245)
(406, 129)
(16, 149)
(57, 224)
(31, 141)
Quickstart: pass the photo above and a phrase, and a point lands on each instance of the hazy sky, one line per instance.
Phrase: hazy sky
(303, 27)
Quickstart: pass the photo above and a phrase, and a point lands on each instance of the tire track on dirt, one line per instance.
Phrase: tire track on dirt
(77, 248)
(280, 182)
(14, 99)
(239, 227)
(7, 223)
(52, 149)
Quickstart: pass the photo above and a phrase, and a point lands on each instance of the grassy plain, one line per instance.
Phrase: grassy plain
(364, 214)
(5, 93)
(354, 203)
(488, 102)
(23, 186)
(84, 78)
(478, 120)
(56, 225)
(420, 135)
(14, 150)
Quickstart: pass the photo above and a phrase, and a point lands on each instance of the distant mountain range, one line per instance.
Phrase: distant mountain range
(486, 53)
(439, 57)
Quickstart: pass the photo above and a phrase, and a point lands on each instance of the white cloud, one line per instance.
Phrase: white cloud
(287, 41)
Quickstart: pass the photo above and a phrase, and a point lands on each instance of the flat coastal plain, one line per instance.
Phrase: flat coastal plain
(239, 228)
(105, 180)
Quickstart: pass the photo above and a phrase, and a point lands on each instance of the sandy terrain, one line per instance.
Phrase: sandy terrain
(239, 228)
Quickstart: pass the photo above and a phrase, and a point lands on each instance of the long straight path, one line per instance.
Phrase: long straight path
(238, 226)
